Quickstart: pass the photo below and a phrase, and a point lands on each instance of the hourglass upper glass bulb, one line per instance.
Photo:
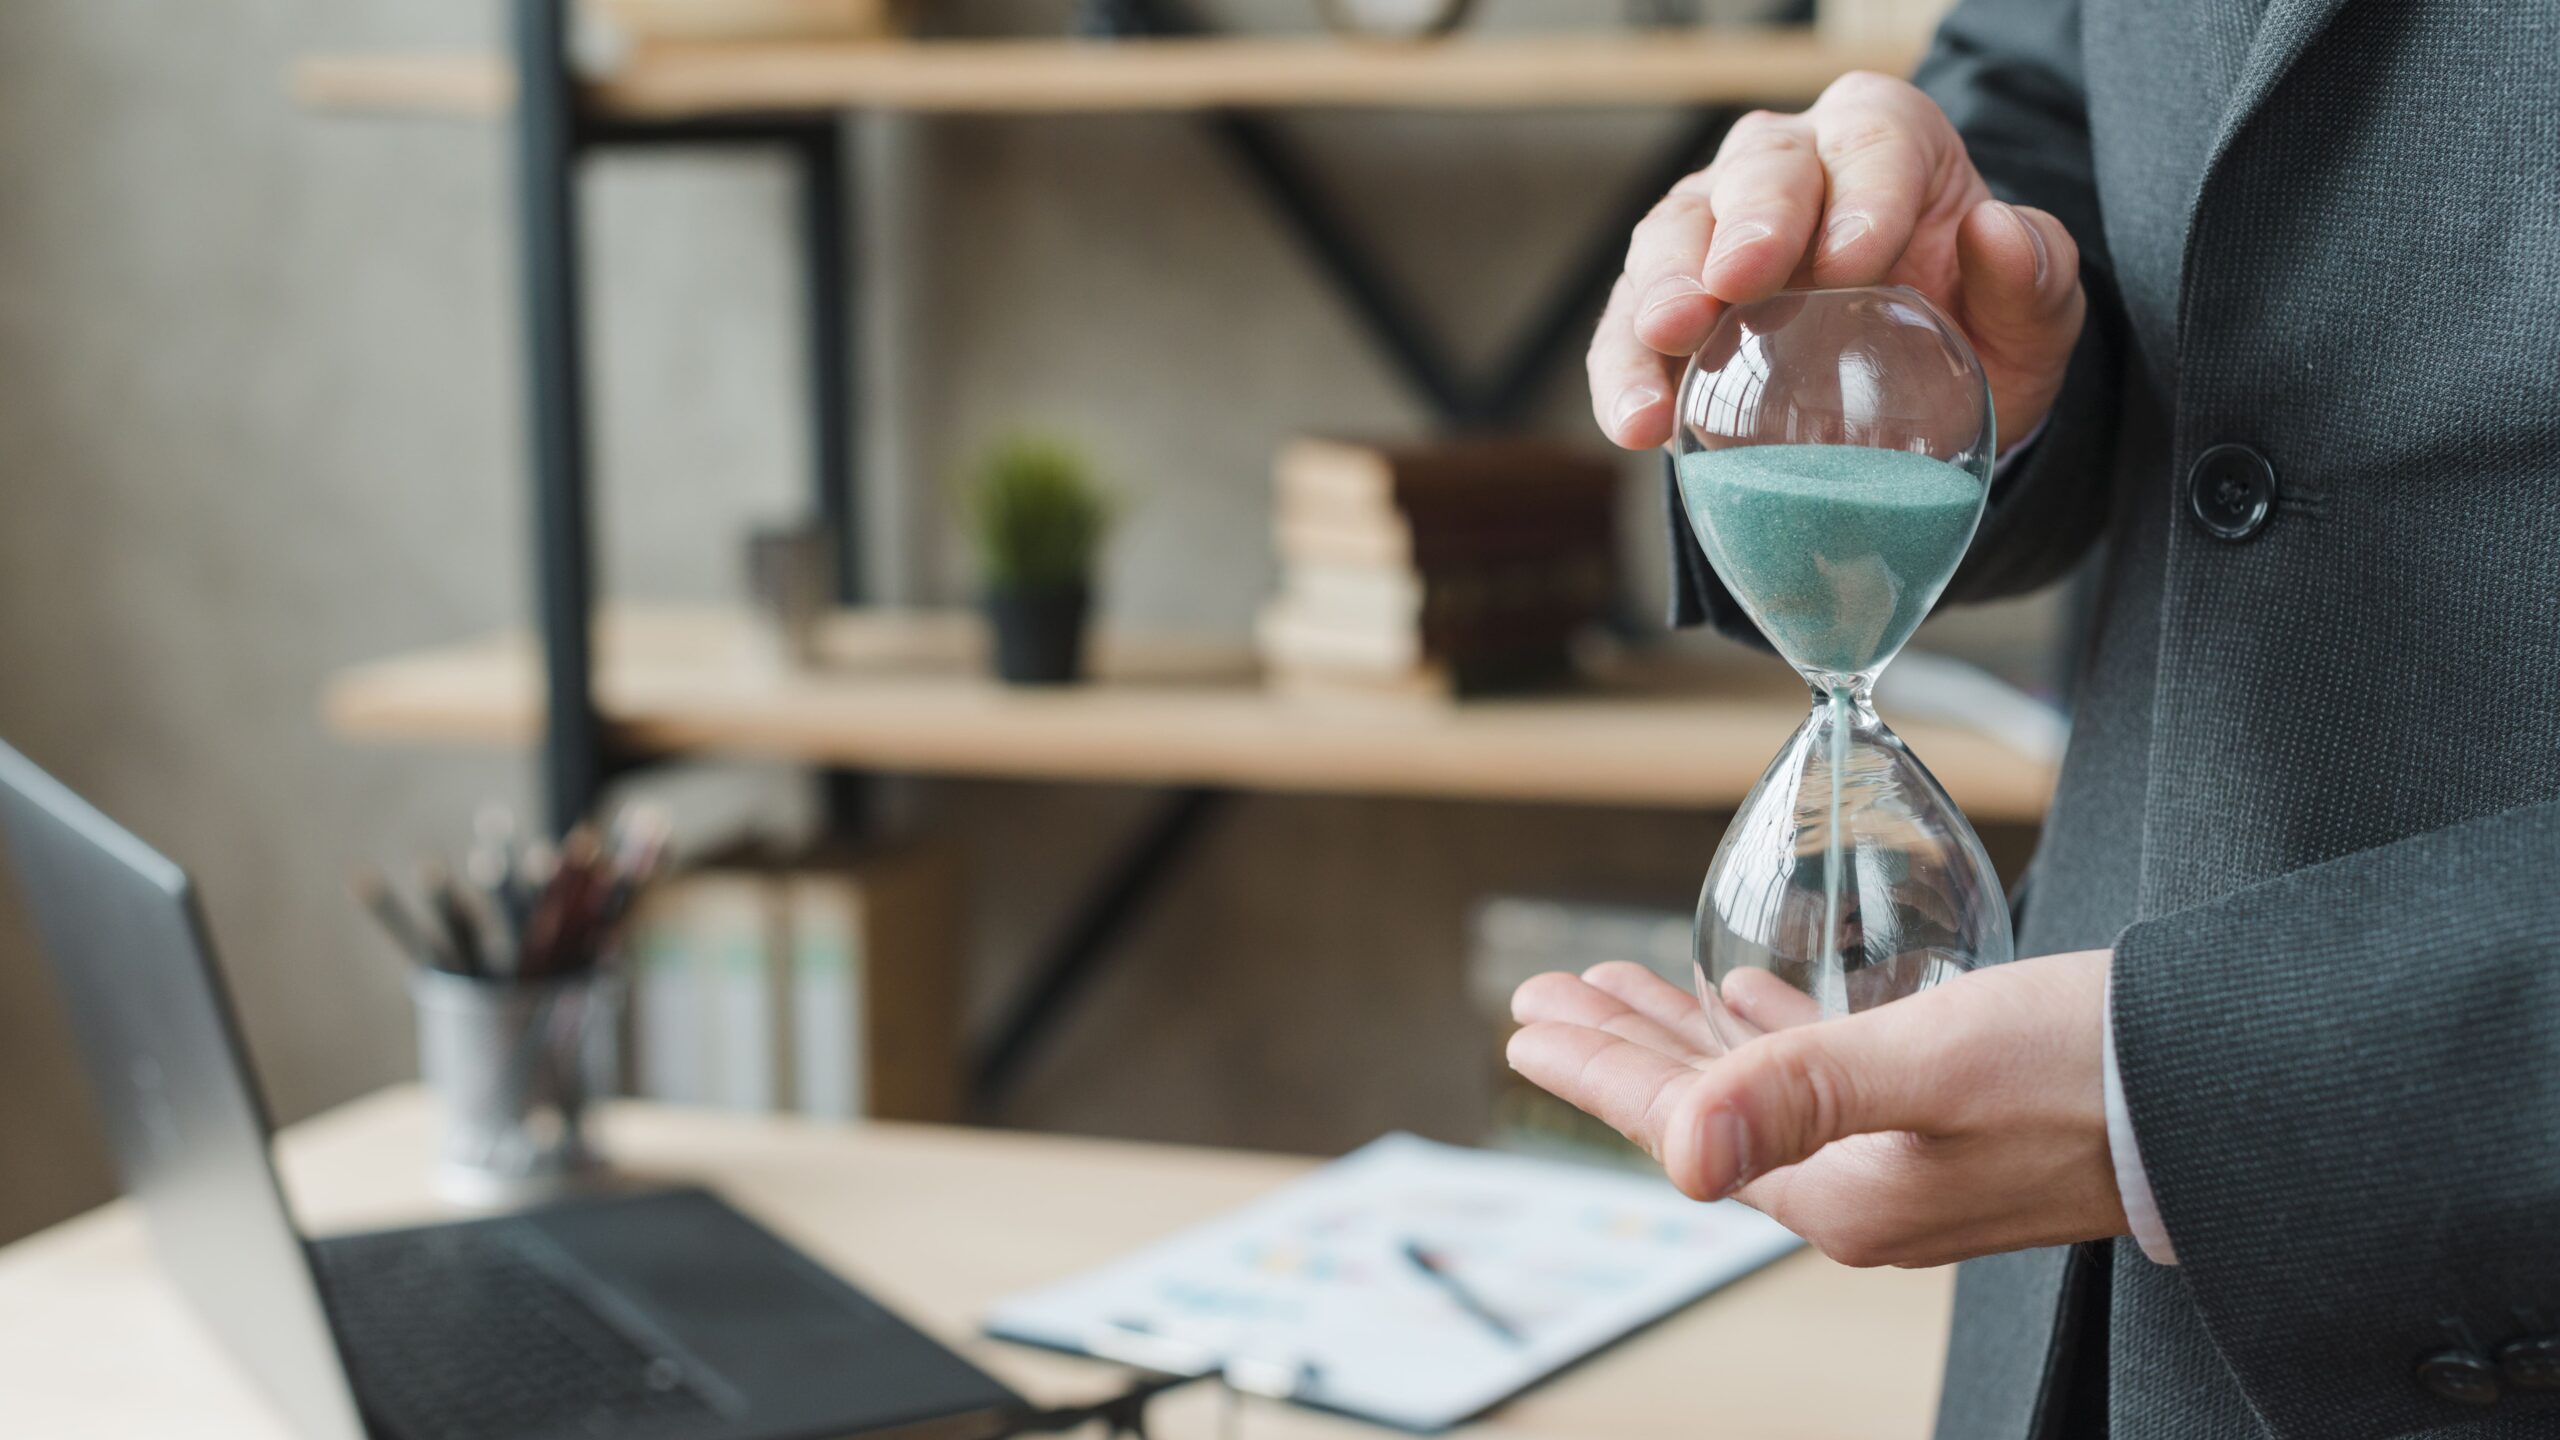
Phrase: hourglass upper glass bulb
(1834, 448)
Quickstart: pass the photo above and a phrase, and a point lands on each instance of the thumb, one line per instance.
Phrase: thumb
(1776, 1100)
(2021, 305)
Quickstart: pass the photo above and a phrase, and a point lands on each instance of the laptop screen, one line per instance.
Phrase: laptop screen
(129, 952)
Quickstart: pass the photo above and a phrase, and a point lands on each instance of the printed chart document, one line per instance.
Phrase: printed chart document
(1411, 1283)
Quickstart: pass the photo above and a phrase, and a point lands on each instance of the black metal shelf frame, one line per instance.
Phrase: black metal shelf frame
(553, 134)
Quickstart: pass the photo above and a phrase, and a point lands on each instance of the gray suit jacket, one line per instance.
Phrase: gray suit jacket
(2313, 794)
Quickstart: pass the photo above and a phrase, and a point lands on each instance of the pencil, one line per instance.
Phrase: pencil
(462, 933)
(377, 896)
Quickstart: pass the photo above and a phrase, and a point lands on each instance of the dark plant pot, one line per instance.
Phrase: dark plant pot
(1039, 632)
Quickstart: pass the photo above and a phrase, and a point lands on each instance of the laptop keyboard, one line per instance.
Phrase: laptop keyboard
(467, 1334)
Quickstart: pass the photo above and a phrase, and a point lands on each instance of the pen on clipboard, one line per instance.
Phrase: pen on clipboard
(1436, 1270)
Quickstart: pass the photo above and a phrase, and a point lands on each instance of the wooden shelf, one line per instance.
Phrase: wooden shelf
(1551, 71)
(906, 693)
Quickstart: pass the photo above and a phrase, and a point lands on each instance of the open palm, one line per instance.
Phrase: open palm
(1959, 1122)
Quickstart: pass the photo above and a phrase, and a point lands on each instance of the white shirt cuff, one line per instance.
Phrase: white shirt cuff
(2141, 1211)
(2017, 449)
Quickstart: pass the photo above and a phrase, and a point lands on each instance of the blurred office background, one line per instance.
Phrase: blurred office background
(260, 420)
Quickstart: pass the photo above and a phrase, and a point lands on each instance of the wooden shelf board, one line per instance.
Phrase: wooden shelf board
(465, 86)
(906, 694)
(1548, 71)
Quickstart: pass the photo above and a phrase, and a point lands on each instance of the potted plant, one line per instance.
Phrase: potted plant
(1040, 521)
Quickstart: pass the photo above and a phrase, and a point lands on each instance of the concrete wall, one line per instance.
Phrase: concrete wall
(258, 420)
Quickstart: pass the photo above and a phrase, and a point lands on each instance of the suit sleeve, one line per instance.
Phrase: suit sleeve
(2007, 72)
(2293, 1058)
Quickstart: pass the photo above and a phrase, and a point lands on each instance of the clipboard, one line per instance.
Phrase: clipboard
(1411, 1283)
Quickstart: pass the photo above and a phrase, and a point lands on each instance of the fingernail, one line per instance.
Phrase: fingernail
(1666, 290)
(1631, 400)
(1843, 232)
(1724, 1149)
(2035, 240)
(1730, 238)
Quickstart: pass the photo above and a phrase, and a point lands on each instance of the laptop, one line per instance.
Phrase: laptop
(659, 1316)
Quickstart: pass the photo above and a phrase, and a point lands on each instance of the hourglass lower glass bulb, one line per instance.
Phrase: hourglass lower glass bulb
(1834, 454)
(1848, 875)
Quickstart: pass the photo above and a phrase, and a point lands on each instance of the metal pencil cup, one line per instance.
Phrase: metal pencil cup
(512, 1066)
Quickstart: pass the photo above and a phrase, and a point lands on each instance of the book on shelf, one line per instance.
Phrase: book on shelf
(1570, 585)
(824, 987)
(719, 20)
(1441, 543)
(824, 917)
(1488, 645)
(705, 1002)
(669, 1057)
(738, 973)
(913, 942)
(611, 33)
(1433, 682)
(1340, 481)
(1435, 569)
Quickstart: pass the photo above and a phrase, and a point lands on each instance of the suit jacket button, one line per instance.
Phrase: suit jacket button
(2460, 1376)
(2532, 1363)
(2231, 490)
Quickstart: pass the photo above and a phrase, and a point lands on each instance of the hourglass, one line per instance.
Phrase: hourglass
(1834, 452)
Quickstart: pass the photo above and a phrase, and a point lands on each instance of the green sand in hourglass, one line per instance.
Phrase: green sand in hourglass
(1838, 551)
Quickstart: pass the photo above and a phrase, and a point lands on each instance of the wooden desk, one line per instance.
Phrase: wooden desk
(95, 1345)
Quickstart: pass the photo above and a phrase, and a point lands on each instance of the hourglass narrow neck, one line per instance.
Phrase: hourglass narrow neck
(1854, 692)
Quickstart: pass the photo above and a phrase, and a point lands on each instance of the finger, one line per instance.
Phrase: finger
(1778, 1100)
(1658, 1000)
(1877, 139)
(2020, 301)
(1573, 1001)
(1731, 1029)
(1630, 382)
(1627, 1086)
(1767, 193)
(2021, 273)
(1665, 259)
(1767, 1001)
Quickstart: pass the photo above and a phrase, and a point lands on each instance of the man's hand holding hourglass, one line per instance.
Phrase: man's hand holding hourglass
(1870, 186)
(1971, 1118)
